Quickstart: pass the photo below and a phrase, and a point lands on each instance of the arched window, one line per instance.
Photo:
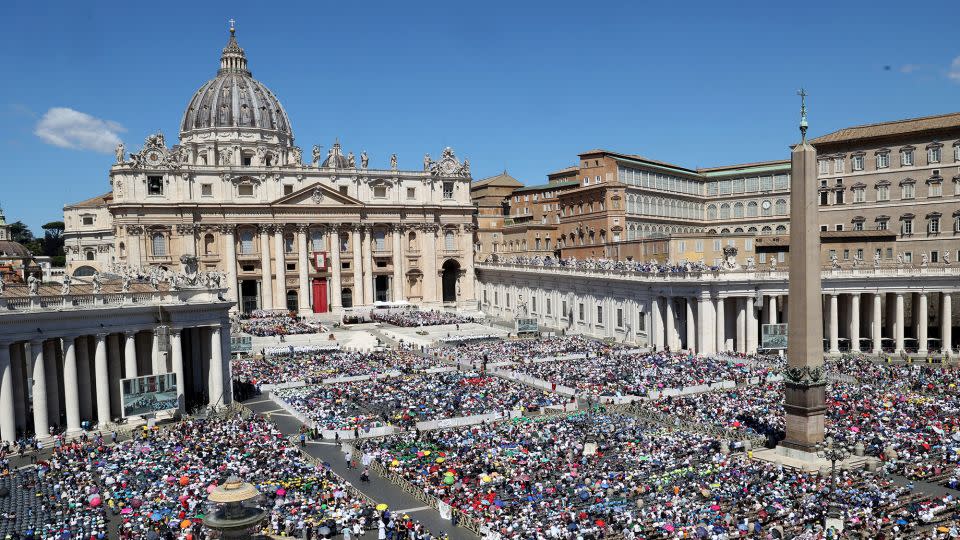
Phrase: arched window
(449, 241)
(712, 212)
(724, 211)
(752, 230)
(752, 209)
(209, 248)
(344, 241)
(246, 242)
(90, 255)
(316, 240)
(781, 207)
(766, 230)
(738, 230)
(781, 229)
(724, 231)
(412, 241)
(738, 210)
(123, 249)
(159, 245)
(288, 243)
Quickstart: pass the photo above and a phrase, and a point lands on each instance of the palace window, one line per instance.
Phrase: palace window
(838, 165)
(883, 192)
(154, 185)
(159, 245)
(738, 210)
(907, 227)
(781, 207)
(206, 190)
(857, 163)
(907, 191)
(858, 225)
(246, 242)
(883, 224)
(859, 195)
(724, 211)
(883, 160)
(956, 223)
(935, 189)
(906, 157)
(933, 225)
(933, 154)
(448, 190)
(752, 208)
(823, 166)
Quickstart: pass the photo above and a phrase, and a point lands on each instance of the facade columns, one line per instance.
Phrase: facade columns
(398, 259)
(367, 251)
(103, 380)
(53, 386)
(834, 324)
(230, 259)
(771, 309)
(946, 323)
(157, 364)
(83, 378)
(741, 325)
(335, 286)
(130, 355)
(855, 322)
(71, 384)
(18, 355)
(266, 273)
(428, 246)
(691, 325)
(706, 326)
(176, 358)
(114, 362)
(877, 323)
(216, 368)
(656, 323)
(671, 325)
(8, 421)
(280, 296)
(721, 326)
(303, 268)
(898, 324)
(752, 331)
(41, 424)
(358, 282)
(921, 316)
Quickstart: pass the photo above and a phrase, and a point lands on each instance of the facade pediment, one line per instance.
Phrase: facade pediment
(316, 195)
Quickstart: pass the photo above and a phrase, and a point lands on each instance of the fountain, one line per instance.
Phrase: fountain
(233, 519)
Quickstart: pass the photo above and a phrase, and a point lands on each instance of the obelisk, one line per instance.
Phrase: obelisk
(804, 378)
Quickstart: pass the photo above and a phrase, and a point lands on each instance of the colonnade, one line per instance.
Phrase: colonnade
(75, 377)
(712, 324)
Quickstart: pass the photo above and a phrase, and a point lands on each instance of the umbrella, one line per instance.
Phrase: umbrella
(324, 530)
(281, 492)
(126, 511)
(185, 524)
(381, 507)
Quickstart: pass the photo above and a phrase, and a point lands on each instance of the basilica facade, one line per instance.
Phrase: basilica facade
(314, 234)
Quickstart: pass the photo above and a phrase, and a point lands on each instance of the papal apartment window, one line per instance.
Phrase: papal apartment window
(846, 254)
(883, 193)
(907, 191)
(882, 224)
(883, 161)
(859, 195)
(858, 226)
(933, 155)
(245, 190)
(763, 258)
(824, 167)
(838, 196)
(907, 227)
(956, 151)
(88, 220)
(206, 190)
(908, 257)
(154, 185)
(832, 254)
(933, 226)
(857, 163)
(838, 165)
(934, 256)
(859, 254)
(906, 158)
(448, 190)
(935, 189)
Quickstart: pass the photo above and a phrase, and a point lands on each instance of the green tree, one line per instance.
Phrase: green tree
(19, 232)
(53, 238)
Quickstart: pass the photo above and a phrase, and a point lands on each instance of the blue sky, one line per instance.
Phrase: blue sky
(521, 85)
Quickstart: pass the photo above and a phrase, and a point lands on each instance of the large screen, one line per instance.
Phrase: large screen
(149, 394)
(773, 336)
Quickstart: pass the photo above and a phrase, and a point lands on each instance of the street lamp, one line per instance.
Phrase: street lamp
(833, 453)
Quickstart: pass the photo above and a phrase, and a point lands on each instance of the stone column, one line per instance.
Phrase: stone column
(428, 247)
(303, 268)
(834, 325)
(358, 282)
(368, 284)
(71, 384)
(335, 286)
(772, 309)
(921, 316)
(188, 241)
(53, 387)
(266, 271)
(721, 326)
(898, 324)
(133, 246)
(103, 380)
(656, 324)
(216, 368)
(280, 296)
(946, 323)
(18, 360)
(8, 421)
(752, 330)
(706, 326)
(741, 304)
(84, 390)
(691, 325)
(469, 273)
(158, 362)
(877, 323)
(176, 358)
(230, 260)
(397, 285)
(855, 322)
(114, 361)
(41, 424)
(671, 325)
(130, 355)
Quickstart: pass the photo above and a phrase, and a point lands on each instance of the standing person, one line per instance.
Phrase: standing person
(347, 456)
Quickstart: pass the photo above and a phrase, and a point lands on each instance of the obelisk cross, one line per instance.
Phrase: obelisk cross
(803, 113)
(232, 29)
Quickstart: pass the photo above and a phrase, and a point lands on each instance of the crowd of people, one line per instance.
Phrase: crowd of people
(592, 475)
(156, 484)
(521, 350)
(410, 318)
(265, 323)
(313, 367)
(651, 267)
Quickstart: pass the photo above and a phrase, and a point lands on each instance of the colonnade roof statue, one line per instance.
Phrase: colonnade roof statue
(805, 380)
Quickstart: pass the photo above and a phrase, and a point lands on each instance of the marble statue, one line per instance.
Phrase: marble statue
(65, 286)
(899, 259)
(119, 152)
(155, 281)
(393, 162)
(225, 156)
(297, 157)
(923, 260)
(97, 283)
(125, 287)
(3, 285)
(466, 167)
(316, 155)
(426, 162)
(834, 262)
(33, 283)
(750, 263)
(773, 264)
(351, 161)
(946, 258)
(364, 159)
(876, 260)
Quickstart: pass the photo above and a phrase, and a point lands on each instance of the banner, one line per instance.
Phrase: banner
(445, 510)
(320, 260)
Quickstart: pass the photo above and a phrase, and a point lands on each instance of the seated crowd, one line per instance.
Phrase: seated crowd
(157, 484)
(520, 350)
(412, 318)
(592, 475)
(313, 367)
(652, 267)
(275, 323)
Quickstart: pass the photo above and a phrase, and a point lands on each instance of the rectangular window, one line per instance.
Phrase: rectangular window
(206, 190)
(838, 227)
(763, 258)
(159, 244)
(846, 254)
(316, 241)
(533, 305)
(889, 253)
(933, 155)
(908, 257)
(858, 226)
(716, 245)
(838, 196)
(832, 254)
(411, 193)
(154, 185)
(599, 314)
(907, 191)
(935, 189)
(838, 165)
(379, 192)
(245, 190)
(934, 226)
(582, 312)
(823, 166)
(563, 309)
(907, 227)
(883, 161)
(619, 317)
(448, 190)
(882, 224)
(859, 195)
(748, 244)
(860, 254)
(934, 256)
(344, 190)
(699, 246)
(549, 307)
(379, 241)
(883, 193)
(858, 163)
(507, 299)
(287, 189)
(823, 228)
(87, 220)
(906, 158)
(766, 183)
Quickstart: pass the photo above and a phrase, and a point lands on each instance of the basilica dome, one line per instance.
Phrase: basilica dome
(235, 101)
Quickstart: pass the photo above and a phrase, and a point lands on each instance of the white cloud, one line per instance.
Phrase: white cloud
(67, 128)
(954, 72)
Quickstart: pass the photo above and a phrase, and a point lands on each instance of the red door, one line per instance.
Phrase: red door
(319, 295)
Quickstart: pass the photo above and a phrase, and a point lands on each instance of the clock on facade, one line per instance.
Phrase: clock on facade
(154, 158)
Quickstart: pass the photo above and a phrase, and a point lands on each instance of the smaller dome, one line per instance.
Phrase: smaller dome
(335, 158)
(11, 249)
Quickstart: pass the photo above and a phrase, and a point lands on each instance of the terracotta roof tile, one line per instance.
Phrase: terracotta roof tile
(896, 127)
